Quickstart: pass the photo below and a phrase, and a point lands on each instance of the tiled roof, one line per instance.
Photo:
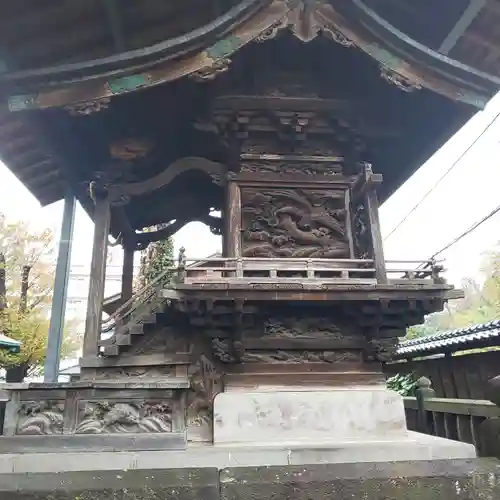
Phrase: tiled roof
(483, 335)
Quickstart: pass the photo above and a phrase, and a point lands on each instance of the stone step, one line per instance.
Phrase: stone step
(125, 334)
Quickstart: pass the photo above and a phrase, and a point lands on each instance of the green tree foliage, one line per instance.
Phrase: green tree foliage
(155, 259)
(405, 385)
(26, 281)
(481, 302)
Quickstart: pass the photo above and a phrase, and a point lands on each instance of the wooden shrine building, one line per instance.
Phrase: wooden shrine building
(293, 119)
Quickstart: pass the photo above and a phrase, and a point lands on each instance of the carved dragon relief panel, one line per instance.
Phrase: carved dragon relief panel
(289, 326)
(108, 417)
(304, 168)
(287, 356)
(38, 418)
(304, 223)
(95, 411)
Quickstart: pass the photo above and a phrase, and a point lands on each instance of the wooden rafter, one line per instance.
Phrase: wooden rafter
(465, 20)
(116, 24)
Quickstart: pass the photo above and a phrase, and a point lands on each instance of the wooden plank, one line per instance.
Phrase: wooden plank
(465, 407)
(349, 223)
(139, 360)
(245, 381)
(305, 343)
(465, 20)
(234, 220)
(127, 273)
(102, 218)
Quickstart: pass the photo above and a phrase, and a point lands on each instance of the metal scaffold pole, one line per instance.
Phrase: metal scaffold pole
(56, 329)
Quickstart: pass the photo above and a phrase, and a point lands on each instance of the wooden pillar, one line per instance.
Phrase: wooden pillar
(371, 205)
(127, 272)
(233, 224)
(102, 217)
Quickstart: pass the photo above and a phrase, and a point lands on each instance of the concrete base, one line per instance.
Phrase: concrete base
(415, 447)
(336, 415)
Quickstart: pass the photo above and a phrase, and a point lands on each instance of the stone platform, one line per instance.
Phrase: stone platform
(422, 480)
(414, 447)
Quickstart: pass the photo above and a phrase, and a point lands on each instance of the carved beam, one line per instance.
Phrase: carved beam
(142, 240)
(465, 20)
(365, 182)
(213, 169)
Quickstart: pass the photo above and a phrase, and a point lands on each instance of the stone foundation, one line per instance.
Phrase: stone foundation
(443, 480)
(313, 416)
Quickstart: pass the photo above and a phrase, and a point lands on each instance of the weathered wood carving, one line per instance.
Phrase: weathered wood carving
(301, 356)
(361, 233)
(293, 223)
(137, 372)
(304, 168)
(206, 383)
(292, 326)
(382, 349)
(133, 417)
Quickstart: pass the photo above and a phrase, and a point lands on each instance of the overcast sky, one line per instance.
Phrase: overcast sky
(469, 192)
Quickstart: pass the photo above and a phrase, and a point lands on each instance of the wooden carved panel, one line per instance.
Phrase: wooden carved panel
(294, 222)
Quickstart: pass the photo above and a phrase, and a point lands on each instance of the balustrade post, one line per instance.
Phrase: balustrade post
(181, 265)
(371, 207)
(488, 444)
(424, 391)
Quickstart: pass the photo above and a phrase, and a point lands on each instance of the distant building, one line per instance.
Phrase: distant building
(78, 289)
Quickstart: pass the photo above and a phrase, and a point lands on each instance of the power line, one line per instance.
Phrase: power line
(453, 165)
(467, 232)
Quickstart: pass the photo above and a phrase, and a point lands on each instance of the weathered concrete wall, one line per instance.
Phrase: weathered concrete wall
(435, 480)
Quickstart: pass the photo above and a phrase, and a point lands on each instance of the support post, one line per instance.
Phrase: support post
(127, 272)
(371, 205)
(58, 309)
(233, 214)
(102, 218)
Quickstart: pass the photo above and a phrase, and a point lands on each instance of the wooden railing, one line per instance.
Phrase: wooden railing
(295, 269)
(467, 420)
(263, 270)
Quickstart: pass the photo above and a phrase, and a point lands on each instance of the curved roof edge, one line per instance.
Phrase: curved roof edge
(452, 340)
(133, 60)
(207, 51)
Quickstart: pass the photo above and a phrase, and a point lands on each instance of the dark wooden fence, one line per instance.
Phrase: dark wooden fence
(458, 376)
(470, 421)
